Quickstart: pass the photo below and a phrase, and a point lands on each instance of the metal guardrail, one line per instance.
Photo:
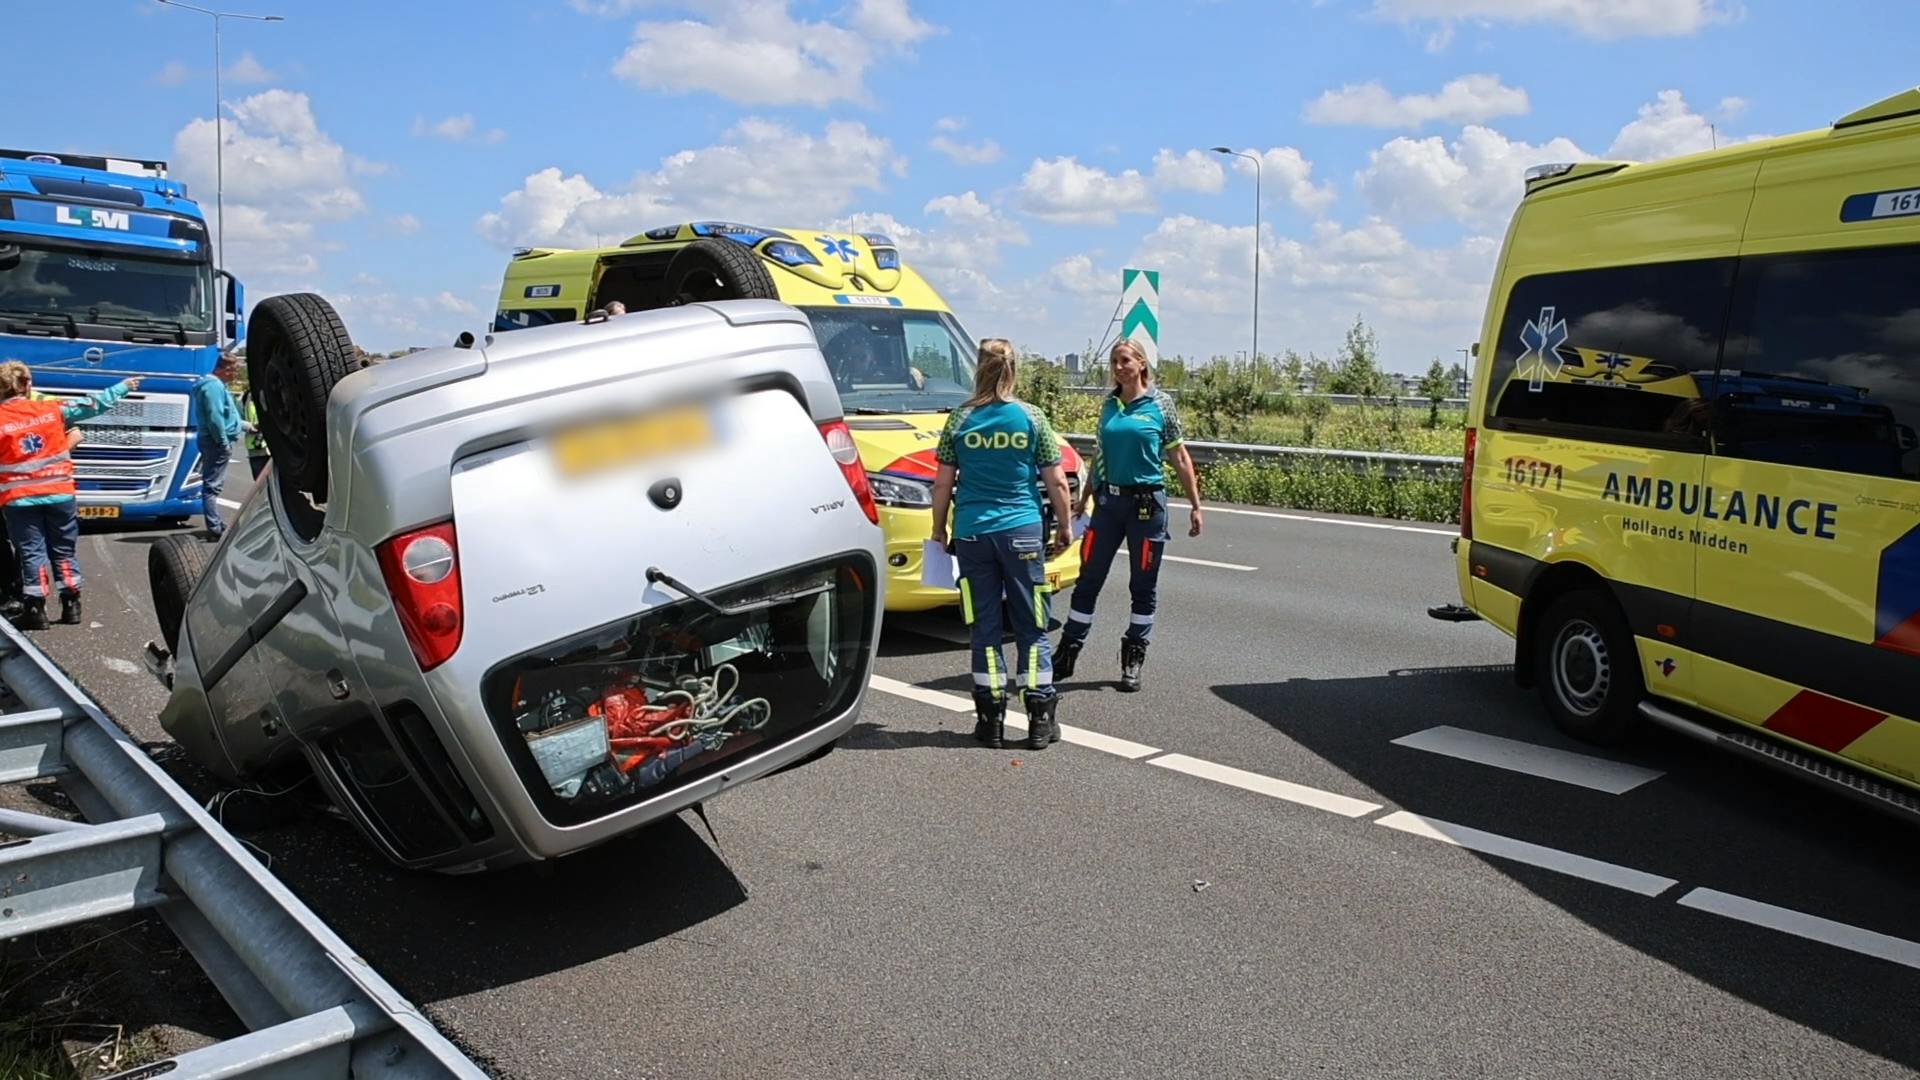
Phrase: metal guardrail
(1395, 466)
(1406, 401)
(313, 1008)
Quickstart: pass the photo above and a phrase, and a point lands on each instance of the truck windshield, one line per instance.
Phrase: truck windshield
(97, 287)
(892, 360)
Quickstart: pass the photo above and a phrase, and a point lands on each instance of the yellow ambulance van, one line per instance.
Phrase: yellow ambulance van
(899, 356)
(1692, 477)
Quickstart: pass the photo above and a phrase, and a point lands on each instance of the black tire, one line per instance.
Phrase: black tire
(718, 270)
(1587, 668)
(297, 349)
(174, 565)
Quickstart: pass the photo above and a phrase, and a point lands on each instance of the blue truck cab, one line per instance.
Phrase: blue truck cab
(107, 272)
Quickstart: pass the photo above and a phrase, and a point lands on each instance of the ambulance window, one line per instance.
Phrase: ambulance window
(1823, 369)
(1622, 354)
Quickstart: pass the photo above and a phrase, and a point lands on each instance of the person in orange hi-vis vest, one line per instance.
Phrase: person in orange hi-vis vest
(37, 492)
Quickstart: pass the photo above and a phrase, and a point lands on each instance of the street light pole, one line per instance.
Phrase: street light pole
(1256, 242)
(219, 130)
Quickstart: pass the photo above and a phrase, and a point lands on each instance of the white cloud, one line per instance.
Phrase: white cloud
(1470, 99)
(446, 301)
(1077, 276)
(985, 152)
(1602, 20)
(949, 123)
(973, 237)
(381, 320)
(174, 74)
(1063, 190)
(762, 171)
(1195, 170)
(404, 224)
(754, 52)
(1287, 171)
(456, 129)
(1733, 108)
(284, 178)
(1476, 181)
(248, 70)
(1668, 127)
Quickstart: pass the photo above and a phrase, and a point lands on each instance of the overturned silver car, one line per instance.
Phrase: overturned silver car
(508, 599)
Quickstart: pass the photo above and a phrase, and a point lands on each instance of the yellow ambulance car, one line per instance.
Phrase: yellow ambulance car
(900, 358)
(1693, 479)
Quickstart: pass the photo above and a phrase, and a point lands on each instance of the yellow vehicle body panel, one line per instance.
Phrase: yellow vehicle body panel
(1776, 594)
(846, 273)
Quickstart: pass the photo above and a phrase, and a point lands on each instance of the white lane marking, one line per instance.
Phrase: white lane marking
(1799, 924)
(1016, 720)
(1506, 847)
(1267, 785)
(1206, 562)
(1599, 774)
(1109, 744)
(124, 667)
(1324, 520)
(228, 503)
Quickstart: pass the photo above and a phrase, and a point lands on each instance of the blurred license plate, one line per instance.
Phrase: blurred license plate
(620, 442)
(98, 511)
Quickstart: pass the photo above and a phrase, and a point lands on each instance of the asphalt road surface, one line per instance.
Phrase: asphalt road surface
(1330, 837)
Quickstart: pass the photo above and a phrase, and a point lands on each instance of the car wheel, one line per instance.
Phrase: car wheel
(1589, 668)
(718, 270)
(174, 565)
(297, 349)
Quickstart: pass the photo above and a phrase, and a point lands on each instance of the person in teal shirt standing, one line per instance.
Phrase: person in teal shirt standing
(995, 453)
(217, 428)
(1138, 433)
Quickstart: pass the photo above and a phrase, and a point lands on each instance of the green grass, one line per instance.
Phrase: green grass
(1324, 487)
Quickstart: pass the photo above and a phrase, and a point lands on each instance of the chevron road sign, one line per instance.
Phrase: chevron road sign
(1140, 301)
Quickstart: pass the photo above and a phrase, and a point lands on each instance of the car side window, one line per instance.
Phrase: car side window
(1617, 354)
(1823, 367)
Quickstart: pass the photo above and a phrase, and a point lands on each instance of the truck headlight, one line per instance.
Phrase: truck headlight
(900, 492)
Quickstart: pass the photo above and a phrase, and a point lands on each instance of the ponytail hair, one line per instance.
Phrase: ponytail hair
(995, 378)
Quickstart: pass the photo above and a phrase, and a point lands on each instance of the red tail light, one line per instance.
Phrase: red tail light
(422, 569)
(840, 442)
(1466, 487)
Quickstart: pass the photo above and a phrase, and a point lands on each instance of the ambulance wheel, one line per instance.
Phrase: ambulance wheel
(174, 565)
(1588, 668)
(297, 349)
(718, 270)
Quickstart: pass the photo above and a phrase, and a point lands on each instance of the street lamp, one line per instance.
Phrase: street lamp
(1255, 158)
(219, 137)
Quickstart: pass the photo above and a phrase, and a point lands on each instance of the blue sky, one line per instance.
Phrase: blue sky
(390, 155)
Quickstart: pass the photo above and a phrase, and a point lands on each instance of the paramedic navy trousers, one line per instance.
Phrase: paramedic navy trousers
(1117, 518)
(46, 537)
(1009, 564)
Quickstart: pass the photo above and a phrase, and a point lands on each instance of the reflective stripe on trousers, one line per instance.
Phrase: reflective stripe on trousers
(1117, 518)
(1007, 570)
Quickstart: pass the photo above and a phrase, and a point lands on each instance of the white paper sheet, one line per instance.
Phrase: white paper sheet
(937, 568)
(1080, 525)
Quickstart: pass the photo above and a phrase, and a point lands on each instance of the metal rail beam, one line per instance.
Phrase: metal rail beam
(1393, 465)
(316, 1009)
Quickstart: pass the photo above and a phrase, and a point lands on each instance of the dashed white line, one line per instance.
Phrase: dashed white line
(1016, 720)
(1314, 519)
(1506, 847)
(1598, 774)
(1267, 785)
(228, 503)
(936, 698)
(1206, 562)
(1800, 924)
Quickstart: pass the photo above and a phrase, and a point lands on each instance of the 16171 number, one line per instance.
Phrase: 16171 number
(1530, 472)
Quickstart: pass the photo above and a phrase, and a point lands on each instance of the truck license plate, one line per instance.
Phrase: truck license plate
(98, 512)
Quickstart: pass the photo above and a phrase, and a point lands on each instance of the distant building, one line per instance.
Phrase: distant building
(1073, 364)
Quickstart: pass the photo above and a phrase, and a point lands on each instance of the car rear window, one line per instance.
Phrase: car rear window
(626, 711)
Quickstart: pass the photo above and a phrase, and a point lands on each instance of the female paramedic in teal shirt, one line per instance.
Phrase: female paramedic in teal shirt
(1001, 450)
(1139, 431)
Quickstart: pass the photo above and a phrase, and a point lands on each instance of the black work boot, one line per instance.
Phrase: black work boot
(990, 727)
(1042, 729)
(33, 613)
(70, 607)
(1133, 653)
(1064, 654)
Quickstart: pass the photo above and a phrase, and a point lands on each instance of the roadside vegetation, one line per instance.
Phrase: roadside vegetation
(1259, 402)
